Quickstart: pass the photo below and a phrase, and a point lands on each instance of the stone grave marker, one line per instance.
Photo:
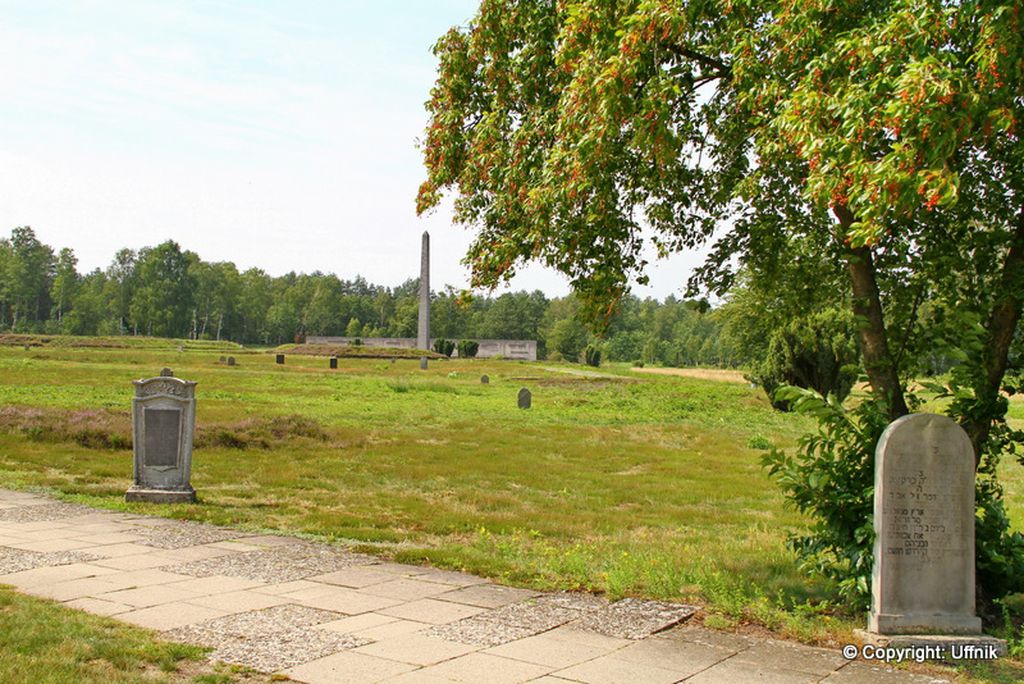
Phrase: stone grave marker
(223, 359)
(231, 360)
(484, 380)
(280, 358)
(163, 421)
(333, 362)
(923, 578)
(525, 398)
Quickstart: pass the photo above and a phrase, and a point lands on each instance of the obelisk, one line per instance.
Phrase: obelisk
(423, 330)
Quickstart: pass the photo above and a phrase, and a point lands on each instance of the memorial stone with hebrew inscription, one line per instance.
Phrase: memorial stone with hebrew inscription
(163, 421)
(923, 579)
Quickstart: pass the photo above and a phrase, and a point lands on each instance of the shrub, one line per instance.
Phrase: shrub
(443, 346)
(468, 349)
(817, 352)
(592, 355)
(831, 480)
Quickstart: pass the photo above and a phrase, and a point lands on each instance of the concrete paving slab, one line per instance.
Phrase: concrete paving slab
(75, 589)
(432, 611)
(862, 673)
(51, 545)
(50, 575)
(118, 550)
(355, 623)
(555, 653)
(217, 584)
(356, 577)
(488, 595)
(679, 656)
(169, 616)
(348, 668)
(610, 670)
(99, 606)
(238, 601)
(416, 649)
(407, 589)
(340, 599)
(733, 671)
(482, 667)
(155, 595)
(391, 630)
(784, 655)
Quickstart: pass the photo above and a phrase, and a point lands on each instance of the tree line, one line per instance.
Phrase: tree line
(167, 291)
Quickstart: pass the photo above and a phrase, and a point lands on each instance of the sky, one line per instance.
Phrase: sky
(276, 135)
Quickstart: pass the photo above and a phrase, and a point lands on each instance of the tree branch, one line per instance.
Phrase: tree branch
(720, 67)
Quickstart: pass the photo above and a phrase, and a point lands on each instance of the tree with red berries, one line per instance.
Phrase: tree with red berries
(880, 136)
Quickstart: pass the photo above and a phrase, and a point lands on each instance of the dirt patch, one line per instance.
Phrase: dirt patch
(719, 374)
(350, 351)
(111, 429)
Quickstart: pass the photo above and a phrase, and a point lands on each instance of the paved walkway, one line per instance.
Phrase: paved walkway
(318, 613)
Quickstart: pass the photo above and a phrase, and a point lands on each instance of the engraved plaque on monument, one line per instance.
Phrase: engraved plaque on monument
(163, 420)
(923, 578)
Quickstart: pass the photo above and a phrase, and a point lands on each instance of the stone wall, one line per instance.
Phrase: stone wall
(522, 350)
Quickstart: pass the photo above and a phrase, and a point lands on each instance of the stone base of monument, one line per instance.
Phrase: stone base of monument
(160, 495)
(952, 647)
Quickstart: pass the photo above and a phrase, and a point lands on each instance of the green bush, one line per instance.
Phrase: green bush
(443, 346)
(817, 352)
(831, 480)
(468, 349)
(592, 355)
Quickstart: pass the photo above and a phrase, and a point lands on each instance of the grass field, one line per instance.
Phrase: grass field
(626, 483)
(41, 641)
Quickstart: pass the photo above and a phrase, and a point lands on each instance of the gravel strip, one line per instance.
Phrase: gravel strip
(271, 639)
(44, 512)
(16, 560)
(635, 618)
(280, 564)
(184, 534)
(505, 624)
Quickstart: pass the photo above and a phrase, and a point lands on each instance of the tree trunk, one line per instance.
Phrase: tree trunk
(867, 307)
(1002, 324)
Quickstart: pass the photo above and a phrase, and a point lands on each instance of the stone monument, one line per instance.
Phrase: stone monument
(484, 380)
(423, 323)
(333, 362)
(279, 358)
(231, 360)
(525, 398)
(923, 580)
(163, 420)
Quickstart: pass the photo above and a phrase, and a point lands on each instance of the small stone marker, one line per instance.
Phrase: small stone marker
(423, 363)
(163, 421)
(231, 360)
(334, 362)
(525, 398)
(280, 358)
(223, 359)
(484, 380)
(923, 579)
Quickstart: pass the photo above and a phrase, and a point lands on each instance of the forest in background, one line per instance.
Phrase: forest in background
(167, 291)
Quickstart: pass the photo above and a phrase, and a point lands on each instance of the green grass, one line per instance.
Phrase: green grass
(42, 641)
(628, 484)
